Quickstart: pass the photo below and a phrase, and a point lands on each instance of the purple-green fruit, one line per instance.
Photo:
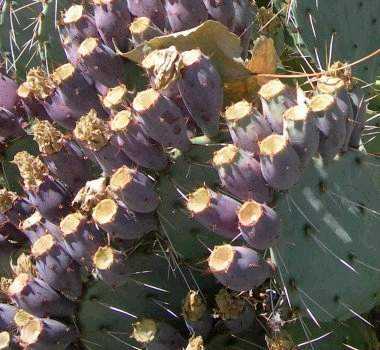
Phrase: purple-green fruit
(134, 189)
(247, 126)
(38, 298)
(280, 163)
(259, 225)
(239, 268)
(122, 223)
(216, 211)
(185, 14)
(112, 18)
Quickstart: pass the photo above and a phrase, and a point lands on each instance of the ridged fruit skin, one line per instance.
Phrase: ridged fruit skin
(141, 149)
(247, 132)
(263, 233)
(222, 11)
(201, 90)
(83, 243)
(53, 334)
(185, 14)
(112, 21)
(39, 299)
(7, 314)
(164, 123)
(359, 107)
(51, 198)
(220, 216)
(282, 170)
(152, 9)
(243, 178)
(246, 271)
(60, 271)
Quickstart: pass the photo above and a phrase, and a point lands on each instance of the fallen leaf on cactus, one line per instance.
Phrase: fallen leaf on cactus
(264, 58)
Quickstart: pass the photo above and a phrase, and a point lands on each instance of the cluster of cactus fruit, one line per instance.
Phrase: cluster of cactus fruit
(95, 200)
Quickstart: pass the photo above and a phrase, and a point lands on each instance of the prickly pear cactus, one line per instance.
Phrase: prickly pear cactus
(342, 30)
(330, 217)
(160, 192)
(29, 34)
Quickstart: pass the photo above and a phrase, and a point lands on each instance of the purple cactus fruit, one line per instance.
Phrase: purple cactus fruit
(243, 19)
(100, 63)
(331, 124)
(82, 238)
(9, 99)
(152, 9)
(111, 266)
(134, 189)
(301, 130)
(7, 314)
(53, 229)
(247, 126)
(143, 29)
(131, 138)
(10, 125)
(240, 174)
(235, 312)
(32, 107)
(112, 18)
(336, 87)
(155, 335)
(75, 91)
(78, 24)
(185, 14)
(259, 225)
(201, 90)
(16, 209)
(276, 98)
(119, 222)
(222, 11)
(56, 267)
(194, 311)
(216, 211)
(94, 136)
(71, 50)
(32, 227)
(50, 197)
(161, 119)
(116, 98)
(239, 268)
(280, 163)
(359, 107)
(37, 297)
(59, 112)
(60, 156)
(45, 333)
(41, 86)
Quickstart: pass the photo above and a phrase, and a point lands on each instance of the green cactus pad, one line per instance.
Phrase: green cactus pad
(355, 25)
(186, 175)
(28, 34)
(154, 288)
(352, 334)
(328, 257)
